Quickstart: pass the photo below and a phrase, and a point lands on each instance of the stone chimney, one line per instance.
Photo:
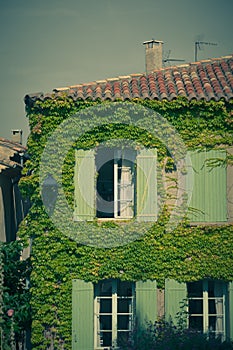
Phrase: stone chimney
(17, 136)
(154, 55)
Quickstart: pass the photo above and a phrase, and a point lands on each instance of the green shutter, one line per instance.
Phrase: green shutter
(209, 198)
(147, 185)
(82, 315)
(84, 180)
(175, 300)
(231, 310)
(146, 302)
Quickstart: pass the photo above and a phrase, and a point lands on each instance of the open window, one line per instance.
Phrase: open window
(115, 183)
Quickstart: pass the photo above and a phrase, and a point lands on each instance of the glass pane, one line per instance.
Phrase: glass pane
(105, 322)
(124, 288)
(105, 183)
(123, 323)
(216, 306)
(195, 289)
(123, 338)
(105, 288)
(106, 306)
(216, 323)
(196, 322)
(196, 306)
(105, 339)
(124, 305)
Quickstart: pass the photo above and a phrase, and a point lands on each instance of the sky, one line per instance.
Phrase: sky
(48, 44)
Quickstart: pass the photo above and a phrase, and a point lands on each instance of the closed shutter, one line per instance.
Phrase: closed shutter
(84, 180)
(146, 302)
(209, 198)
(147, 185)
(82, 315)
(175, 300)
(231, 310)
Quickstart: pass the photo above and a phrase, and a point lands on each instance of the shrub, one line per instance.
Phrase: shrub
(164, 335)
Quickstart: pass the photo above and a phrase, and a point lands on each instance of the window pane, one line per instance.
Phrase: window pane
(196, 322)
(195, 289)
(105, 322)
(124, 305)
(105, 339)
(105, 288)
(124, 288)
(216, 323)
(196, 306)
(123, 338)
(106, 305)
(123, 323)
(105, 183)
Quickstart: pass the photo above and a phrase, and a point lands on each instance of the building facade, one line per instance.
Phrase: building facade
(136, 223)
(12, 207)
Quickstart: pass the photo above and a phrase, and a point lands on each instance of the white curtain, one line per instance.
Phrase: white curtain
(218, 294)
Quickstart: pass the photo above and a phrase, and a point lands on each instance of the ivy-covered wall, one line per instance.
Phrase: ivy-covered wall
(186, 254)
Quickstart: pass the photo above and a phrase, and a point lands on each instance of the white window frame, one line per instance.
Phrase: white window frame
(114, 315)
(206, 298)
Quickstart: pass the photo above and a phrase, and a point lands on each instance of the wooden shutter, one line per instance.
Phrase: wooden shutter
(230, 316)
(175, 300)
(146, 302)
(82, 315)
(84, 180)
(209, 197)
(146, 185)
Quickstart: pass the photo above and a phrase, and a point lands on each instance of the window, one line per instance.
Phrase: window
(209, 193)
(115, 183)
(113, 313)
(103, 314)
(206, 304)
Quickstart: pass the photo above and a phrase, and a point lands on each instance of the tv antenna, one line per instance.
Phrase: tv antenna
(198, 47)
(168, 59)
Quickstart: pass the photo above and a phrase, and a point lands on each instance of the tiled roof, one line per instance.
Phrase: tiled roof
(209, 80)
(10, 157)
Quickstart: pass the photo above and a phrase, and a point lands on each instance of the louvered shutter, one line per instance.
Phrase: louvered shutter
(230, 297)
(146, 185)
(82, 315)
(146, 302)
(175, 300)
(209, 195)
(84, 180)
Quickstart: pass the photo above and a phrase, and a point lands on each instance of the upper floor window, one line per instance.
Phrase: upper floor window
(117, 183)
(209, 192)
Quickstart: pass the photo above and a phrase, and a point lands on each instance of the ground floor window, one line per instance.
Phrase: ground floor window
(207, 307)
(113, 313)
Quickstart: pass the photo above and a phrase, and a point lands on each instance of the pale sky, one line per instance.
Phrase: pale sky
(55, 43)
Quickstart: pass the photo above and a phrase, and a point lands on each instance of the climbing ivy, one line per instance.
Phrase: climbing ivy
(186, 254)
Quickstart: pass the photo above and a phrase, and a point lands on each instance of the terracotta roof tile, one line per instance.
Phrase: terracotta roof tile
(208, 79)
(10, 157)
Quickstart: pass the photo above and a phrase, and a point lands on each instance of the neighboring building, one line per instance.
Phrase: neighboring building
(12, 207)
(151, 277)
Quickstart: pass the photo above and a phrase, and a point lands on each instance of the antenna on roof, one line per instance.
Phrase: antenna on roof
(198, 47)
(168, 59)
